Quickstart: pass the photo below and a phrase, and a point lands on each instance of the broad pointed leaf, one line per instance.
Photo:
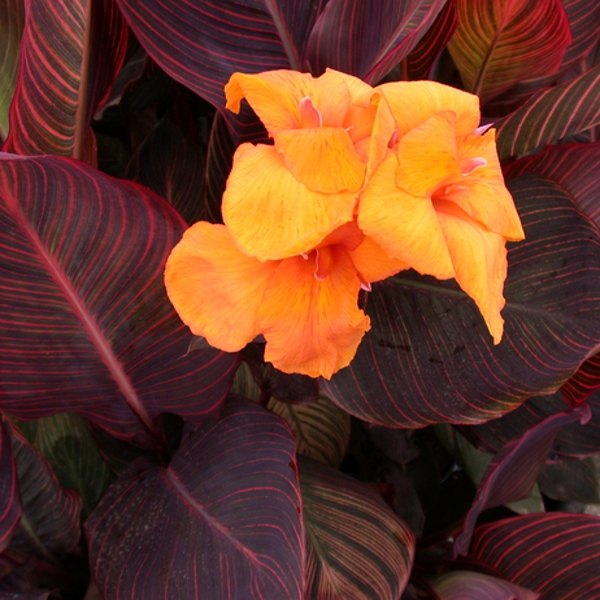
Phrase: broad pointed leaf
(357, 548)
(435, 360)
(469, 585)
(367, 39)
(50, 527)
(11, 508)
(513, 472)
(555, 554)
(70, 54)
(221, 521)
(500, 42)
(12, 21)
(86, 325)
(551, 115)
(321, 428)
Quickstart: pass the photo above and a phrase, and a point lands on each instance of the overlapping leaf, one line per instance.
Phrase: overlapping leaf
(469, 585)
(86, 324)
(428, 357)
(12, 21)
(571, 481)
(357, 548)
(10, 501)
(551, 115)
(513, 472)
(221, 521)
(499, 43)
(555, 554)
(367, 39)
(61, 83)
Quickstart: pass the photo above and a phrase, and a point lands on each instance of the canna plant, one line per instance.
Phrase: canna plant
(299, 299)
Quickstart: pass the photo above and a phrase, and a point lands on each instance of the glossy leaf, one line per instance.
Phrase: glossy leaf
(513, 472)
(573, 441)
(555, 554)
(469, 585)
(222, 520)
(50, 527)
(86, 324)
(357, 548)
(435, 360)
(420, 62)
(571, 481)
(367, 39)
(551, 115)
(11, 508)
(12, 21)
(499, 43)
(67, 444)
(62, 81)
(321, 428)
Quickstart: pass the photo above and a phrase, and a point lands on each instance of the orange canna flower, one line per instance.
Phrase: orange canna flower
(305, 306)
(438, 201)
(329, 134)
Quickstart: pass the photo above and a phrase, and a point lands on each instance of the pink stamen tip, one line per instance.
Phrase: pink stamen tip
(483, 128)
(394, 139)
(365, 285)
(468, 166)
(304, 256)
(310, 116)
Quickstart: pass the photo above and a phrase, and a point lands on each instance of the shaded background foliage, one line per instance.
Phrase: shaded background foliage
(203, 474)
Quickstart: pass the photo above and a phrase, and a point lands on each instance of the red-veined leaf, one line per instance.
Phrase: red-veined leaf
(551, 115)
(357, 548)
(571, 481)
(321, 428)
(221, 521)
(12, 21)
(573, 441)
(513, 472)
(10, 500)
(86, 325)
(50, 527)
(470, 585)
(584, 20)
(428, 357)
(368, 39)
(555, 554)
(500, 42)
(584, 382)
(70, 54)
(421, 61)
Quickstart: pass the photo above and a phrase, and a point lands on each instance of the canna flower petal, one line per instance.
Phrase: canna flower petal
(313, 326)
(216, 289)
(373, 264)
(270, 214)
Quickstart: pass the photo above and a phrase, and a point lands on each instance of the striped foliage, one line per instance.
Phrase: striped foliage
(12, 21)
(551, 115)
(512, 473)
(469, 585)
(368, 39)
(321, 428)
(500, 42)
(86, 325)
(357, 548)
(11, 508)
(415, 366)
(555, 554)
(222, 521)
(61, 82)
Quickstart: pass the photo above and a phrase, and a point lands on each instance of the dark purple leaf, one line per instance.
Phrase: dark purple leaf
(428, 357)
(86, 324)
(514, 470)
(10, 499)
(571, 481)
(394, 443)
(557, 555)
(469, 585)
(222, 520)
(367, 39)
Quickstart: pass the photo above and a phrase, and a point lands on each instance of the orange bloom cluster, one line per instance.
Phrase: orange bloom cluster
(359, 184)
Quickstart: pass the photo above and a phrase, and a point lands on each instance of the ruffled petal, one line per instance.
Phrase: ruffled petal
(270, 214)
(323, 159)
(275, 97)
(479, 259)
(405, 226)
(312, 327)
(372, 263)
(483, 194)
(216, 289)
(428, 157)
(413, 102)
